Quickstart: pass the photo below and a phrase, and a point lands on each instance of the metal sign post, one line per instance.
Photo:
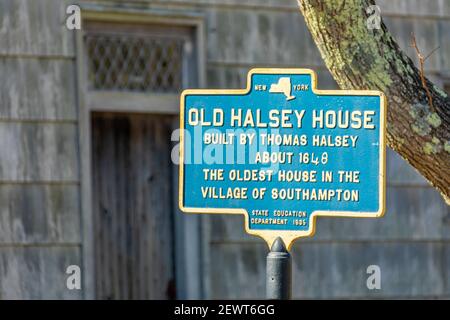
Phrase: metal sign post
(278, 272)
(281, 153)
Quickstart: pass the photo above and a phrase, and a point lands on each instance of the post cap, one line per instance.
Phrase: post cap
(278, 245)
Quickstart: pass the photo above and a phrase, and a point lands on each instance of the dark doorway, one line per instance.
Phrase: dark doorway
(133, 206)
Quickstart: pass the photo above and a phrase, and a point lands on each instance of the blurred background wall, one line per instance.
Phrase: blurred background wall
(85, 142)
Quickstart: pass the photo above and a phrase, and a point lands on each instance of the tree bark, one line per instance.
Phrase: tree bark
(360, 58)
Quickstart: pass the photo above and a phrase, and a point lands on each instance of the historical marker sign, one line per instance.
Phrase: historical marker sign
(282, 152)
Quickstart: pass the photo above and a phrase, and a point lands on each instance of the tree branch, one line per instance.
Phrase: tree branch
(360, 58)
(422, 60)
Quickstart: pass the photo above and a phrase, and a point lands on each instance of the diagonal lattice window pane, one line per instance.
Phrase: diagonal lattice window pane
(133, 62)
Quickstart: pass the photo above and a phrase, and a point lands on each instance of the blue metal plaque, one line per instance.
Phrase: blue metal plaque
(282, 152)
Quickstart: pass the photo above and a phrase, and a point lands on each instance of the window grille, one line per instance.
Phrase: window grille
(134, 62)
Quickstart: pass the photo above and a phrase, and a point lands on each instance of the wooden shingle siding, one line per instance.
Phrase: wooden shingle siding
(39, 173)
(336, 270)
(444, 50)
(431, 8)
(35, 28)
(37, 89)
(225, 76)
(260, 37)
(38, 152)
(39, 214)
(37, 272)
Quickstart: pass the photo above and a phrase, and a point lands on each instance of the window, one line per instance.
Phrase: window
(134, 59)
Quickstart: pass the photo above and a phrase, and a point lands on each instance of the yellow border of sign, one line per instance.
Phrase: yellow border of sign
(289, 236)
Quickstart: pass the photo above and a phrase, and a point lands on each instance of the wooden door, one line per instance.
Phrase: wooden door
(133, 206)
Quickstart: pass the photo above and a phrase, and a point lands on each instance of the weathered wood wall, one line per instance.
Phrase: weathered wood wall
(39, 157)
(39, 178)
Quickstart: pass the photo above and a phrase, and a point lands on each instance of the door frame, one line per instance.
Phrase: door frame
(187, 235)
